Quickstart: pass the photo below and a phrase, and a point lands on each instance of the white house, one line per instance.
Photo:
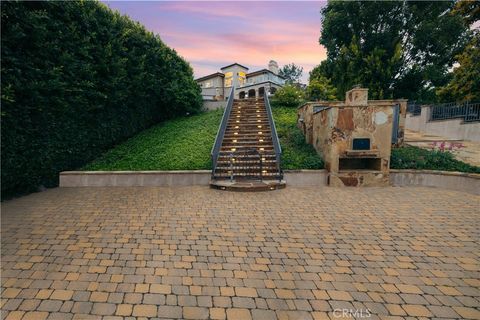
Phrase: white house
(217, 86)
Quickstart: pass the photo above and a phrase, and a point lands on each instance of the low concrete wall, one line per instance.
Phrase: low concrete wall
(454, 129)
(213, 104)
(134, 178)
(297, 178)
(459, 181)
(306, 178)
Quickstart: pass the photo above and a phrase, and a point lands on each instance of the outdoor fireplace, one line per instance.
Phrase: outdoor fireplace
(354, 136)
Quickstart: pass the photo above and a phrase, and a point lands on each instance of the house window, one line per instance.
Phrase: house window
(241, 78)
(208, 84)
(228, 79)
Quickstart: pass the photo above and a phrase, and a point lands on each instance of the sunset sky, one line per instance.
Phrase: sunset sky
(213, 34)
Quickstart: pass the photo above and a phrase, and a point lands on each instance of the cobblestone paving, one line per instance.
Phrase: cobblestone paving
(197, 253)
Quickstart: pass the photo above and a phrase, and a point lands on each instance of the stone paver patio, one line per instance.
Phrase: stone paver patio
(197, 253)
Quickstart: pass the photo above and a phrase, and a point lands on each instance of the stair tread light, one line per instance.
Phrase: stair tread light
(259, 132)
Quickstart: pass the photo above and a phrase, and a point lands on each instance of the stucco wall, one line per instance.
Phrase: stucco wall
(452, 129)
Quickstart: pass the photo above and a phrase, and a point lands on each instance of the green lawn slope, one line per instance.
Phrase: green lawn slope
(185, 144)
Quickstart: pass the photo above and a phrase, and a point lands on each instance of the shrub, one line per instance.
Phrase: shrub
(410, 157)
(78, 78)
(320, 89)
(296, 153)
(289, 96)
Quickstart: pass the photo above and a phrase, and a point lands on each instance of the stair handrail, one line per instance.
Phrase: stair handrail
(221, 130)
(276, 142)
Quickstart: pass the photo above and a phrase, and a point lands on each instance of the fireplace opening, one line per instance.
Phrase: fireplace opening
(372, 164)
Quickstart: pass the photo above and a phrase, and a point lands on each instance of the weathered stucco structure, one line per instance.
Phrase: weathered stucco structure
(354, 136)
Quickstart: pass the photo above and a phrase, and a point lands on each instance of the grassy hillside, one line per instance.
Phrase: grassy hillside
(185, 144)
(180, 144)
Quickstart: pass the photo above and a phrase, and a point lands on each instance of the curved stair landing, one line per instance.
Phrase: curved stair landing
(247, 185)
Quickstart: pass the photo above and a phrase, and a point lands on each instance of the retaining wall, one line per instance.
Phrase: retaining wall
(458, 181)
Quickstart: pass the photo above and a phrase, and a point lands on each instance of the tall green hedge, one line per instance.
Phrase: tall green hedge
(77, 78)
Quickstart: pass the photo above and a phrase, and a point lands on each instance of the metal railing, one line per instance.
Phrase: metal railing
(468, 111)
(221, 131)
(275, 140)
(414, 108)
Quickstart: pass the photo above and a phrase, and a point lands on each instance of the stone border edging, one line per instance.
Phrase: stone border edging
(465, 182)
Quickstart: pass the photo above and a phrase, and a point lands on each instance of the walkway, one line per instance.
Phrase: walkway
(466, 151)
(197, 253)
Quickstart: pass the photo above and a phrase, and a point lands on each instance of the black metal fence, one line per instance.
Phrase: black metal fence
(221, 130)
(275, 140)
(467, 111)
(414, 108)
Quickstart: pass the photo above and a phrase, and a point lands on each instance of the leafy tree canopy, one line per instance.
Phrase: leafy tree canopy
(396, 49)
(289, 96)
(320, 88)
(291, 72)
(465, 84)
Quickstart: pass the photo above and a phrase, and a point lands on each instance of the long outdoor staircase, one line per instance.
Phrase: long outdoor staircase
(246, 154)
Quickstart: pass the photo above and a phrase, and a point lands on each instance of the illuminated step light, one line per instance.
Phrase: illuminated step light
(258, 110)
(233, 159)
(259, 132)
(263, 159)
(258, 115)
(235, 140)
(235, 133)
(259, 126)
(233, 149)
(262, 149)
(259, 120)
(264, 171)
(238, 121)
(236, 127)
(261, 140)
(238, 116)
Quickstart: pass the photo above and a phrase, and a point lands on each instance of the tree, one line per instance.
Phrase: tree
(396, 49)
(291, 72)
(465, 84)
(288, 96)
(320, 88)
(469, 10)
